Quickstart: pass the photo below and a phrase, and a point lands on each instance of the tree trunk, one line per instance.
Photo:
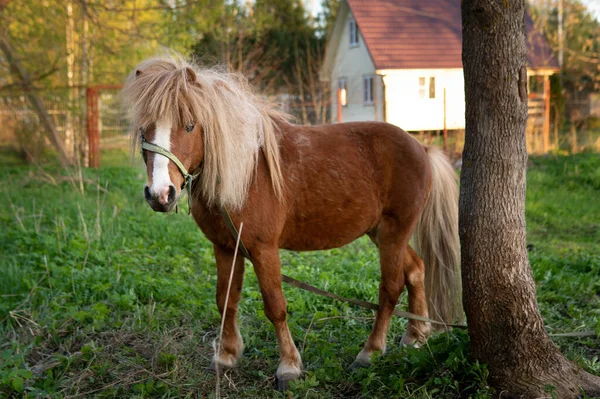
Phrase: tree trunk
(70, 52)
(505, 326)
(84, 145)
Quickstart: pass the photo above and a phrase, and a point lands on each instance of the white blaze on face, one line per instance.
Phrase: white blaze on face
(160, 174)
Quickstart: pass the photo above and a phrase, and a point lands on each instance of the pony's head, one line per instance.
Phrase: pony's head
(171, 143)
(206, 119)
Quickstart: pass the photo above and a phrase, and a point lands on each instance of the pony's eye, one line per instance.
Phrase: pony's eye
(189, 127)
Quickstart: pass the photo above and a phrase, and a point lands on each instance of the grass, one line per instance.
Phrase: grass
(101, 297)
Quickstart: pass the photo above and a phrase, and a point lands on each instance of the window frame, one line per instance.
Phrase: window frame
(427, 87)
(354, 38)
(371, 92)
(431, 87)
(422, 87)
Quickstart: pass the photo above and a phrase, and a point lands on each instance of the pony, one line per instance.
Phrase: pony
(299, 188)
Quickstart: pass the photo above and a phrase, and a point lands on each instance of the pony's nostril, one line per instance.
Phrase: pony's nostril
(147, 195)
(172, 193)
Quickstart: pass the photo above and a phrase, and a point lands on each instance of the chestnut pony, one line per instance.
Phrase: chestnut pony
(300, 188)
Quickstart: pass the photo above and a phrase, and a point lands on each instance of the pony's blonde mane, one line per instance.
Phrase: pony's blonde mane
(235, 123)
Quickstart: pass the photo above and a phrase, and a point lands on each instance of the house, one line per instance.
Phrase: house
(400, 61)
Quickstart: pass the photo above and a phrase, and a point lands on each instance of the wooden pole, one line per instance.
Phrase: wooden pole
(445, 127)
(339, 105)
(546, 131)
(84, 145)
(92, 127)
(70, 141)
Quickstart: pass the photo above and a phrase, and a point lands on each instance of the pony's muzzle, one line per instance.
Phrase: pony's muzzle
(163, 200)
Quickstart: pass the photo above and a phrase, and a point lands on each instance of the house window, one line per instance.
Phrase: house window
(353, 33)
(432, 87)
(343, 90)
(427, 87)
(536, 86)
(368, 90)
(422, 87)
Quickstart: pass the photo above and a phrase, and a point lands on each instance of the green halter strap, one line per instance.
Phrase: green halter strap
(188, 178)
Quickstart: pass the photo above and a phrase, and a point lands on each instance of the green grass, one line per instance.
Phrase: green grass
(101, 297)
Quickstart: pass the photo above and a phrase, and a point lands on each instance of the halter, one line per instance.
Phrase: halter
(188, 178)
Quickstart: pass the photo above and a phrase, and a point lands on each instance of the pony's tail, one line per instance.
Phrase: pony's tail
(436, 240)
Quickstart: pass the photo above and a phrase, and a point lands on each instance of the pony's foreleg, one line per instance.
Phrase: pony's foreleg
(417, 332)
(267, 266)
(392, 242)
(231, 344)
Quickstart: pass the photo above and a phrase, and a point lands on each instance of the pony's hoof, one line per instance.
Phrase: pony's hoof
(282, 385)
(409, 342)
(285, 374)
(415, 338)
(223, 363)
(220, 369)
(360, 364)
(363, 359)
(283, 381)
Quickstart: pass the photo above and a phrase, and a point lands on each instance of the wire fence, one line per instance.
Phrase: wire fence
(112, 118)
(16, 112)
(69, 109)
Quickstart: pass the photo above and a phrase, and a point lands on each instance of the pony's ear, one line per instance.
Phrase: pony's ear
(138, 72)
(190, 75)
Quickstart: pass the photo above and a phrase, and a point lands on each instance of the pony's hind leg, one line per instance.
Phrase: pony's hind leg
(417, 332)
(232, 344)
(392, 240)
(267, 267)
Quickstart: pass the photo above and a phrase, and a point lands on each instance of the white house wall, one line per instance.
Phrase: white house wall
(353, 63)
(405, 107)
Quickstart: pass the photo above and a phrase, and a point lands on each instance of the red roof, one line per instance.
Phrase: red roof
(404, 34)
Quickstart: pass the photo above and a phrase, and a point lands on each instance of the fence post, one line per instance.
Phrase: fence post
(546, 113)
(92, 127)
(445, 126)
(339, 105)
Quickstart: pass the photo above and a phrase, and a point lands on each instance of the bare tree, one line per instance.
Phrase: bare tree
(23, 76)
(313, 94)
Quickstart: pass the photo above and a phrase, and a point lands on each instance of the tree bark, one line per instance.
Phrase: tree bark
(505, 325)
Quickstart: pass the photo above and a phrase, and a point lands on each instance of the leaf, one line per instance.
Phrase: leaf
(18, 384)
(150, 385)
(26, 374)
